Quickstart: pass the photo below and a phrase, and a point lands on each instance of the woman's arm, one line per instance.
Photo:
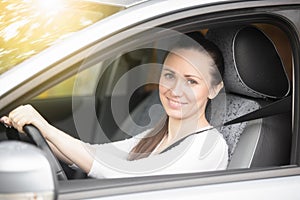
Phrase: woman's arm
(59, 155)
(65, 147)
(71, 148)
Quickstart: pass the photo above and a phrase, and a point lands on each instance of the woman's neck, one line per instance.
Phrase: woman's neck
(179, 128)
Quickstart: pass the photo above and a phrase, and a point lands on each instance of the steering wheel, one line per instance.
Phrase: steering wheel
(40, 141)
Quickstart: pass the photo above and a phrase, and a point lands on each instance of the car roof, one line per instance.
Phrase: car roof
(130, 3)
(122, 3)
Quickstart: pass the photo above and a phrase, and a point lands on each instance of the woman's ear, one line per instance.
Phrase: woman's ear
(214, 91)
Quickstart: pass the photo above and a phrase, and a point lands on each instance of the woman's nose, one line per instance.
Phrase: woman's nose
(177, 89)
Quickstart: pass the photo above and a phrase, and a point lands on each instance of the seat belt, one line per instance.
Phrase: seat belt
(278, 107)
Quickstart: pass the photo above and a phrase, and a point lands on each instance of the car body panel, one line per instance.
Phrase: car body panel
(191, 186)
(276, 189)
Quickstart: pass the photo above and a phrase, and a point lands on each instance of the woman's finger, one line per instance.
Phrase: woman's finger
(26, 114)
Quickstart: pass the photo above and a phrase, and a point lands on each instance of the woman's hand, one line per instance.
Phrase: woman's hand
(24, 115)
(63, 145)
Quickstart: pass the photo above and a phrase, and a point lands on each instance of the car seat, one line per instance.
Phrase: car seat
(254, 76)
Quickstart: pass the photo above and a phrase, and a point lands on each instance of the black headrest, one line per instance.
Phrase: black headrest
(252, 64)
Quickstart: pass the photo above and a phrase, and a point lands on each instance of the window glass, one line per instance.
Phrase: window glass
(282, 43)
(85, 80)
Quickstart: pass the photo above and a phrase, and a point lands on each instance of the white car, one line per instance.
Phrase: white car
(90, 67)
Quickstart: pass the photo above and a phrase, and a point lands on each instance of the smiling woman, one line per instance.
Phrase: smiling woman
(29, 26)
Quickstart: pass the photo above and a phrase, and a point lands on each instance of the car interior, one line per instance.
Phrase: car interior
(254, 77)
(257, 74)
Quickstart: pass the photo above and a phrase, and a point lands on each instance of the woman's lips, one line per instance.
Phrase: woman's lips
(175, 104)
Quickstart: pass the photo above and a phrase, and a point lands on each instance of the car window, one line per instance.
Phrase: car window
(28, 27)
(116, 124)
(124, 101)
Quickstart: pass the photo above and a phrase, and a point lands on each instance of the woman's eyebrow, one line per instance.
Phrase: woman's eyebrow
(186, 76)
(193, 76)
(169, 70)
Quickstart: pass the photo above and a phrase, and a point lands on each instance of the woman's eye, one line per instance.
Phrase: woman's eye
(169, 76)
(192, 82)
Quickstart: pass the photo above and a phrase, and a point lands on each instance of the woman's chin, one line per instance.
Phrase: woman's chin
(175, 114)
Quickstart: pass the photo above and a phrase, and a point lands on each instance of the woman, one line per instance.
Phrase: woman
(189, 78)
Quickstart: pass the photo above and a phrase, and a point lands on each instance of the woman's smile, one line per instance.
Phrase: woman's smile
(175, 103)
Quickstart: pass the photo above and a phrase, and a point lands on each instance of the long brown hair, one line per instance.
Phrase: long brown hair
(147, 145)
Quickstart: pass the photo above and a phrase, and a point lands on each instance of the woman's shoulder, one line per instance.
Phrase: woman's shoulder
(213, 142)
(210, 135)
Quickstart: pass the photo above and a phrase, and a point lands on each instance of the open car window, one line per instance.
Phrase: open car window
(120, 93)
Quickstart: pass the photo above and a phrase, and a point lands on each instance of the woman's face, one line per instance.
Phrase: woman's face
(184, 87)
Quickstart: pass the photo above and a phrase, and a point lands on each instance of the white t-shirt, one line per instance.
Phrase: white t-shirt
(205, 151)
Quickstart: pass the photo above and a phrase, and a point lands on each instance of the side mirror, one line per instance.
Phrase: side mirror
(25, 172)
